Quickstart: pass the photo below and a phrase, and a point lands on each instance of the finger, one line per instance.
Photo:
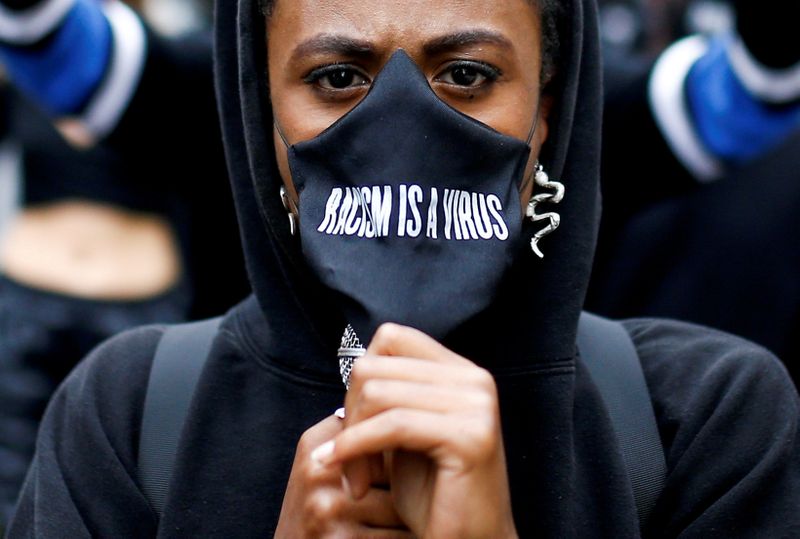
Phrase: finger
(328, 509)
(410, 430)
(323, 431)
(357, 476)
(376, 396)
(416, 370)
(318, 472)
(379, 471)
(397, 340)
(375, 509)
(364, 532)
(310, 442)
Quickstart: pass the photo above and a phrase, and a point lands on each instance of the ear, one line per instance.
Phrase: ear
(542, 130)
(539, 137)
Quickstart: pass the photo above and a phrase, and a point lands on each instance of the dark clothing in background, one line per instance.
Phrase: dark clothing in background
(725, 254)
(637, 167)
(54, 171)
(42, 336)
(727, 412)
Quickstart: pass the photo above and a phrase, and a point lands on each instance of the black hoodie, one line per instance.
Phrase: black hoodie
(728, 414)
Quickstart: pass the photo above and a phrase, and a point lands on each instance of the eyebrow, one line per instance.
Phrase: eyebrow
(333, 44)
(349, 46)
(466, 38)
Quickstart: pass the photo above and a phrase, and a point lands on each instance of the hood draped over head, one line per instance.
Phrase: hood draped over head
(535, 314)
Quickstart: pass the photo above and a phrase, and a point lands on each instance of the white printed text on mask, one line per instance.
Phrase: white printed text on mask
(369, 211)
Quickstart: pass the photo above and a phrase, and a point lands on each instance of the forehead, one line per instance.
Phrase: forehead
(401, 22)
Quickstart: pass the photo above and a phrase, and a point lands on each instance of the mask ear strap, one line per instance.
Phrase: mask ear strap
(281, 134)
(535, 124)
(289, 204)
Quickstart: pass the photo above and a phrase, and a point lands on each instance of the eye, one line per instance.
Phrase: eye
(469, 74)
(336, 77)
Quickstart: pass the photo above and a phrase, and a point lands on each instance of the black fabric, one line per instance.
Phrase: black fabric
(42, 337)
(427, 232)
(5, 109)
(638, 167)
(171, 133)
(769, 29)
(724, 255)
(18, 5)
(54, 170)
(273, 371)
(608, 352)
(177, 365)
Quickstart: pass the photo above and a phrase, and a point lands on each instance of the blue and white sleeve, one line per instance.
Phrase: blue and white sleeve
(718, 105)
(76, 58)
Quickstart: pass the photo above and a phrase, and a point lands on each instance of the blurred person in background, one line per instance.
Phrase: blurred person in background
(116, 211)
(177, 17)
(646, 27)
(701, 181)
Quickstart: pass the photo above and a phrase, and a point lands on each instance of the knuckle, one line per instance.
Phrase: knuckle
(397, 421)
(318, 434)
(388, 334)
(306, 444)
(314, 474)
(484, 437)
(482, 400)
(322, 507)
(485, 380)
(370, 391)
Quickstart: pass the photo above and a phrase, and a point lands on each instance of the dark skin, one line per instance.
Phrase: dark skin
(420, 418)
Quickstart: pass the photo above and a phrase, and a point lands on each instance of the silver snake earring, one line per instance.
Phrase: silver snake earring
(543, 180)
(290, 208)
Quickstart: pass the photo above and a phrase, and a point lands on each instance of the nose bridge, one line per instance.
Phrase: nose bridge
(400, 76)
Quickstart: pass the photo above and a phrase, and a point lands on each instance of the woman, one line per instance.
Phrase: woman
(396, 101)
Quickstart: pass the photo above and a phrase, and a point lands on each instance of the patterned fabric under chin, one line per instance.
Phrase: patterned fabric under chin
(350, 350)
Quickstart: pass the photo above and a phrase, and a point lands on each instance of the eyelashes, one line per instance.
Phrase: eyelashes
(337, 76)
(460, 75)
(469, 74)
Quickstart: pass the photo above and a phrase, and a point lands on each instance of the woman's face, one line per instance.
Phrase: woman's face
(482, 58)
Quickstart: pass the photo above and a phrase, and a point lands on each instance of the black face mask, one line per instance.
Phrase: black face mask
(409, 209)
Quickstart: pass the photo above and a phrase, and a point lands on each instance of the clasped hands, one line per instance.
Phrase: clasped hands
(418, 454)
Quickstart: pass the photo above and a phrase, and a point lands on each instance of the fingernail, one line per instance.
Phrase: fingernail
(339, 413)
(323, 453)
(346, 486)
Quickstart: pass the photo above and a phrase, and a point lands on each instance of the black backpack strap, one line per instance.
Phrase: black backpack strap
(609, 353)
(177, 365)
